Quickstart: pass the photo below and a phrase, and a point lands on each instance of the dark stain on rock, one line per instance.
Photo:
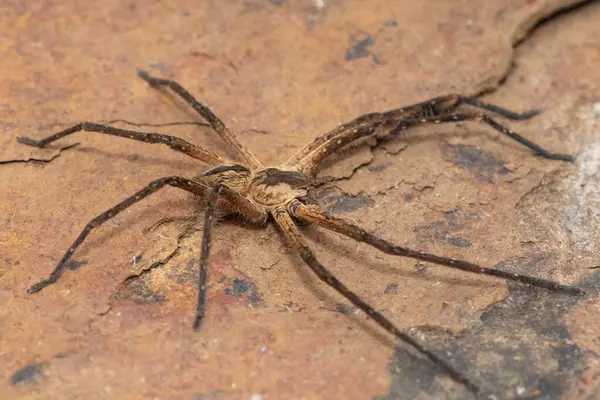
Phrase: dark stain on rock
(360, 46)
(452, 217)
(483, 164)
(420, 268)
(379, 167)
(348, 203)
(188, 275)
(239, 287)
(145, 295)
(521, 342)
(319, 195)
(27, 375)
(138, 290)
(457, 241)
(333, 200)
(445, 231)
(392, 288)
(362, 42)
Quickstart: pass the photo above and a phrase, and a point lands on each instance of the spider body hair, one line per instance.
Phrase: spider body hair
(267, 187)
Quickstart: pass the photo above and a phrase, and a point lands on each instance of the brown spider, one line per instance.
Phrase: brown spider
(256, 192)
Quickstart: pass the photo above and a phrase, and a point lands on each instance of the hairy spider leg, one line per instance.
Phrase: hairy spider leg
(439, 108)
(449, 103)
(173, 142)
(230, 200)
(430, 108)
(325, 220)
(310, 164)
(258, 216)
(294, 238)
(214, 121)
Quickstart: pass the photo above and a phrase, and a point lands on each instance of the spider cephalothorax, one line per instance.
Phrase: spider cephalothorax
(254, 192)
(266, 188)
(273, 187)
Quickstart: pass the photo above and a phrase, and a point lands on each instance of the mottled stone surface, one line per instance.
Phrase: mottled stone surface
(118, 324)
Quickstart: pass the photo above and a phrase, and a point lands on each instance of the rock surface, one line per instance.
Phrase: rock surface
(118, 324)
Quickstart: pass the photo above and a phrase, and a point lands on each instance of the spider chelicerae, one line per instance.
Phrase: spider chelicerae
(256, 192)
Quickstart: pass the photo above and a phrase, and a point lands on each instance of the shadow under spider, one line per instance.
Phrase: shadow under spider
(260, 194)
(342, 250)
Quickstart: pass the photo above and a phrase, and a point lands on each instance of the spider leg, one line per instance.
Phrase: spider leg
(231, 200)
(173, 142)
(291, 233)
(503, 112)
(483, 118)
(430, 108)
(205, 253)
(313, 215)
(310, 164)
(209, 216)
(206, 113)
(254, 213)
(449, 103)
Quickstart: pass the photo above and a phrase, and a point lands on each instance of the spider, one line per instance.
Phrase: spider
(256, 192)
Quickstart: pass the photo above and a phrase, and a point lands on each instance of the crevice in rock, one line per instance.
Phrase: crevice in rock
(118, 294)
(42, 160)
(522, 31)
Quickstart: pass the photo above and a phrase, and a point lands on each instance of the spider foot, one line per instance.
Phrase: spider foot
(146, 76)
(40, 285)
(30, 142)
(197, 322)
(557, 156)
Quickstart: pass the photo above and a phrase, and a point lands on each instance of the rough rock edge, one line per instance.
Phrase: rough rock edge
(521, 31)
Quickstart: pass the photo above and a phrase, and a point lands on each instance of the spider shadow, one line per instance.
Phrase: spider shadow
(141, 159)
(184, 108)
(195, 216)
(309, 281)
(343, 248)
(461, 131)
(109, 231)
